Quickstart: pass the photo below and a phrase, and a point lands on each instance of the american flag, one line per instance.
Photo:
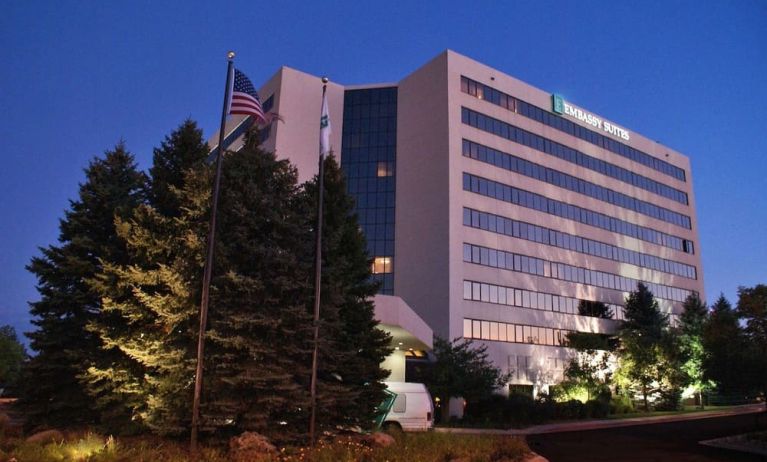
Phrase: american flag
(245, 98)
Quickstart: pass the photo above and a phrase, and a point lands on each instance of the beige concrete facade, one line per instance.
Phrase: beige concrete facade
(430, 270)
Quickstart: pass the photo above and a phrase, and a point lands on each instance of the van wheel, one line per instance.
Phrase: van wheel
(392, 428)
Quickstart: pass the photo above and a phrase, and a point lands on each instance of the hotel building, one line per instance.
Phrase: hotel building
(492, 208)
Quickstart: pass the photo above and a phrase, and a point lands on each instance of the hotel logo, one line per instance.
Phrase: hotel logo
(558, 103)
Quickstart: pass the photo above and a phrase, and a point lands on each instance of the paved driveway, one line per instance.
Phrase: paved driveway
(676, 441)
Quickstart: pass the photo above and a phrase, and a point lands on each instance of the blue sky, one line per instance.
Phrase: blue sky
(77, 77)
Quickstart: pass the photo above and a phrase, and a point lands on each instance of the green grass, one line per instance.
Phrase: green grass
(409, 447)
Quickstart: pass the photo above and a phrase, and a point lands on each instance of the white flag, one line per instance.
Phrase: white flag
(324, 128)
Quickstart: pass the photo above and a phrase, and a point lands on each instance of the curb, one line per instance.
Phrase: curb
(602, 424)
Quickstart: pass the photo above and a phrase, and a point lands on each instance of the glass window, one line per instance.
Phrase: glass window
(467, 290)
(467, 328)
(485, 330)
(400, 402)
(381, 265)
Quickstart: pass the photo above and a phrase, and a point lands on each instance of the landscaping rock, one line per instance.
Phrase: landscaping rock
(45, 437)
(379, 440)
(250, 447)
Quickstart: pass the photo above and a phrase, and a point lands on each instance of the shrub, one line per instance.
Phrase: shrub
(571, 410)
(670, 400)
(621, 404)
(597, 408)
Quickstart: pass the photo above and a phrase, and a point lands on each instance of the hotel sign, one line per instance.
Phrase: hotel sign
(560, 106)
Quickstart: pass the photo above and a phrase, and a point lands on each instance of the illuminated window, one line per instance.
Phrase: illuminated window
(385, 169)
(382, 265)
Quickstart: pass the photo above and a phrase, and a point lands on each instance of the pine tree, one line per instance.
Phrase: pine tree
(724, 343)
(259, 328)
(151, 302)
(692, 323)
(52, 393)
(181, 151)
(12, 356)
(352, 347)
(641, 335)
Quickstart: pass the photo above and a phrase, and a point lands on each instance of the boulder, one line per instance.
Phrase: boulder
(250, 447)
(46, 436)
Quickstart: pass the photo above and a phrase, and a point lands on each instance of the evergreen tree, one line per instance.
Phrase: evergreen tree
(52, 393)
(352, 347)
(692, 323)
(594, 309)
(260, 329)
(181, 151)
(641, 335)
(724, 342)
(151, 302)
(752, 307)
(12, 356)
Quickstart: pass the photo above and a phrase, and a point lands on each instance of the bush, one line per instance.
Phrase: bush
(489, 411)
(571, 410)
(670, 400)
(597, 408)
(621, 404)
(521, 409)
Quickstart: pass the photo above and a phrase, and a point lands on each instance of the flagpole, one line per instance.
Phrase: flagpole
(209, 260)
(318, 274)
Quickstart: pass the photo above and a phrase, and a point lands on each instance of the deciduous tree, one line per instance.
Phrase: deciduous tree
(462, 369)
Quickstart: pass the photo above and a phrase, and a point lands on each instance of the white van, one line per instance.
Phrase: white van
(412, 409)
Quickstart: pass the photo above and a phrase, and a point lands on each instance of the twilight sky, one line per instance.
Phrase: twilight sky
(78, 76)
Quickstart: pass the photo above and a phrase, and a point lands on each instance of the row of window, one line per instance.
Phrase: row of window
(370, 153)
(520, 229)
(563, 180)
(375, 139)
(510, 296)
(367, 125)
(541, 203)
(560, 151)
(368, 96)
(377, 184)
(374, 200)
(375, 169)
(498, 98)
(539, 267)
(513, 333)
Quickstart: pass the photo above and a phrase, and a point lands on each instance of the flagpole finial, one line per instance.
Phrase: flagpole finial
(325, 80)
(230, 55)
